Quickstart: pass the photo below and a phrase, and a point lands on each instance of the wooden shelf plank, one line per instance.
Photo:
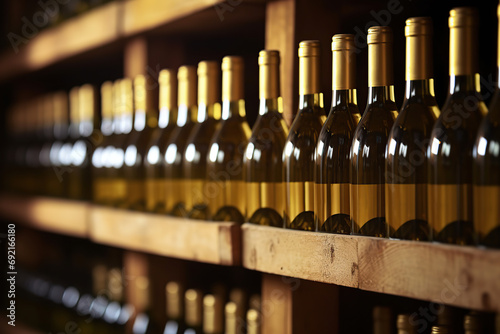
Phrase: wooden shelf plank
(312, 256)
(202, 241)
(75, 36)
(460, 276)
(47, 214)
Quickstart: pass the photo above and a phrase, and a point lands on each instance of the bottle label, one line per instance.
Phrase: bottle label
(226, 193)
(405, 202)
(367, 202)
(486, 209)
(135, 193)
(300, 198)
(155, 193)
(330, 199)
(448, 203)
(265, 195)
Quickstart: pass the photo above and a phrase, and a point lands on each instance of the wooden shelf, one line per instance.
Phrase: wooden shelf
(461, 276)
(48, 214)
(202, 241)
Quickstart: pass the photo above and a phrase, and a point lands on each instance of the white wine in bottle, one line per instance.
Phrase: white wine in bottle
(176, 185)
(263, 164)
(331, 196)
(453, 136)
(406, 165)
(137, 144)
(299, 154)
(367, 156)
(154, 162)
(197, 146)
(213, 314)
(486, 178)
(226, 189)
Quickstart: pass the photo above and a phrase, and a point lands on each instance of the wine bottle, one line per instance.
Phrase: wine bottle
(299, 152)
(486, 188)
(107, 129)
(473, 323)
(453, 136)
(367, 155)
(196, 152)
(263, 164)
(143, 322)
(403, 324)
(331, 197)
(406, 165)
(213, 315)
(194, 311)
(225, 189)
(253, 322)
(186, 119)
(231, 319)
(145, 122)
(175, 309)
(48, 135)
(79, 178)
(154, 160)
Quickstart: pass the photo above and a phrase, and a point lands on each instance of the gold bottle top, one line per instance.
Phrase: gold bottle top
(232, 78)
(141, 292)
(231, 318)
(403, 324)
(194, 306)
(309, 67)
(343, 62)
(168, 89)
(498, 37)
(115, 284)
(380, 72)
(74, 105)
(174, 300)
(140, 91)
(463, 23)
(418, 32)
(186, 78)
(86, 102)
(440, 330)
(60, 103)
(126, 97)
(253, 322)
(117, 98)
(107, 100)
(208, 82)
(99, 279)
(212, 314)
(473, 323)
(269, 74)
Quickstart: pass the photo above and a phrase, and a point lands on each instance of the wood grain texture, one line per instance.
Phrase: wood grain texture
(77, 35)
(312, 256)
(461, 276)
(47, 214)
(210, 242)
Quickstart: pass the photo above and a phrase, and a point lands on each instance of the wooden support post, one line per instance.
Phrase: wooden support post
(295, 306)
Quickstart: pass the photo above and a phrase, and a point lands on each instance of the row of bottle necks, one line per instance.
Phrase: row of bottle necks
(420, 174)
(53, 307)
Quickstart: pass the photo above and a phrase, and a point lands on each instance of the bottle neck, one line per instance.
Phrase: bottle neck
(419, 88)
(166, 116)
(233, 109)
(341, 97)
(140, 120)
(464, 84)
(107, 126)
(210, 111)
(310, 101)
(270, 105)
(380, 94)
(185, 115)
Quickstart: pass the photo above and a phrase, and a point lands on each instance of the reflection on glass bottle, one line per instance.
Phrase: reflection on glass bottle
(406, 165)
(197, 146)
(226, 189)
(176, 184)
(367, 155)
(331, 196)
(154, 162)
(263, 164)
(299, 153)
(453, 136)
